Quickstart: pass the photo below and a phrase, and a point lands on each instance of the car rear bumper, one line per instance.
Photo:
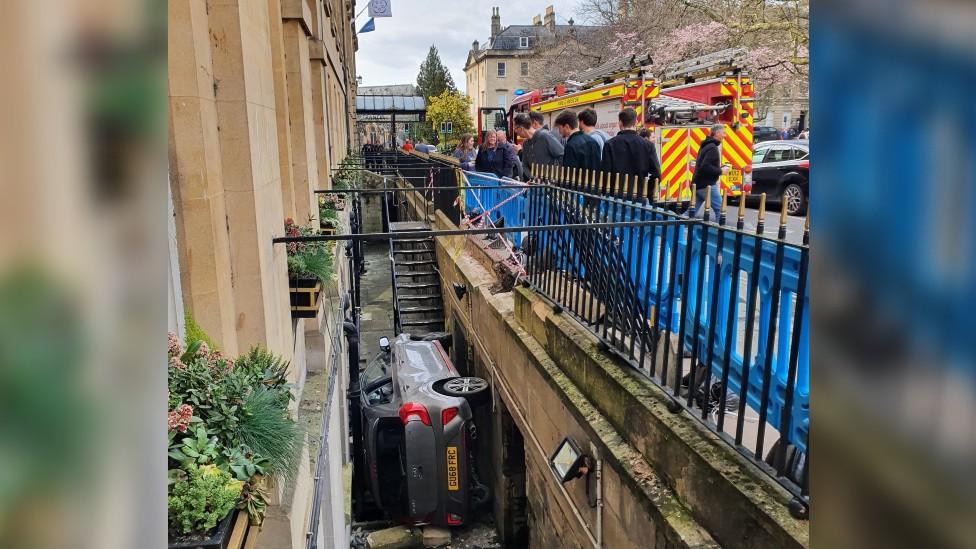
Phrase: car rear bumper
(437, 473)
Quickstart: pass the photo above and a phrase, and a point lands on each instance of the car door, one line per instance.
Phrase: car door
(770, 168)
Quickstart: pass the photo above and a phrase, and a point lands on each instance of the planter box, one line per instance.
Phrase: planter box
(325, 228)
(304, 296)
(219, 537)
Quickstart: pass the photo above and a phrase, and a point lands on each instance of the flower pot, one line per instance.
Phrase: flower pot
(304, 296)
(218, 537)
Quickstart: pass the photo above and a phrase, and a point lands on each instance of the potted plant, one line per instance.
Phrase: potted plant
(228, 428)
(329, 214)
(309, 266)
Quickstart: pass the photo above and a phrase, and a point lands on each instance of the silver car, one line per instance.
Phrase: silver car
(419, 434)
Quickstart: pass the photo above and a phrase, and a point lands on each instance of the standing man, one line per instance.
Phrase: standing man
(581, 150)
(540, 146)
(587, 123)
(628, 153)
(708, 168)
(516, 163)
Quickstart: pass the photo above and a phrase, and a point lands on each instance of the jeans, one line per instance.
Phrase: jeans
(716, 202)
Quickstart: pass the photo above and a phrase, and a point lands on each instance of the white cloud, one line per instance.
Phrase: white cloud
(392, 54)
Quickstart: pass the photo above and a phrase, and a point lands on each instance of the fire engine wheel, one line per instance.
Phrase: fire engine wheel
(796, 203)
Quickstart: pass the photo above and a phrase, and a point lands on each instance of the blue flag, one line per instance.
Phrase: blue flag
(368, 27)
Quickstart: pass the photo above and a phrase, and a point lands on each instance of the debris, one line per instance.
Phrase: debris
(436, 537)
(398, 537)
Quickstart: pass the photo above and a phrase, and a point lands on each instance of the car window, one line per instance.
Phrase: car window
(757, 155)
(377, 369)
(381, 394)
(801, 154)
(778, 154)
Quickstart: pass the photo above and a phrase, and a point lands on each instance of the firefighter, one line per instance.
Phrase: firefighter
(708, 168)
(581, 150)
(629, 154)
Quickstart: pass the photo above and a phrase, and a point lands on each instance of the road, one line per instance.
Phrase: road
(794, 223)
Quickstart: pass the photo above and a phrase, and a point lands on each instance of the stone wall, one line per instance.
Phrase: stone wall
(666, 481)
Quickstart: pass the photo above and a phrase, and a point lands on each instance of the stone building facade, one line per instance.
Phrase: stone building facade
(494, 70)
(261, 103)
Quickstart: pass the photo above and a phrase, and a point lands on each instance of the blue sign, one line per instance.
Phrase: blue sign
(519, 91)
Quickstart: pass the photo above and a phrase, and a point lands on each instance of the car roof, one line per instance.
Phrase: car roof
(801, 143)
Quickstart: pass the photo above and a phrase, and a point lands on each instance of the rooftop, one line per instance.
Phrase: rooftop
(389, 103)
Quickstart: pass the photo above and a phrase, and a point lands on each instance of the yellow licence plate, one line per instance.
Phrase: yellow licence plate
(734, 177)
(453, 483)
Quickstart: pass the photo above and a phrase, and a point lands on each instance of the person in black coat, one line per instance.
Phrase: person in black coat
(708, 168)
(628, 153)
(581, 150)
(493, 158)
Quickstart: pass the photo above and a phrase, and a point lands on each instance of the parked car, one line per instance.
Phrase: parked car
(765, 133)
(781, 169)
(419, 435)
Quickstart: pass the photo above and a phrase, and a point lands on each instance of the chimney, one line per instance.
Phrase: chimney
(537, 20)
(496, 23)
(550, 19)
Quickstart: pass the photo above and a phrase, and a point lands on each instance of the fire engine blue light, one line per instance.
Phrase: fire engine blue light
(519, 91)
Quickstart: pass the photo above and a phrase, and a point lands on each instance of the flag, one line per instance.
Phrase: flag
(368, 27)
(380, 8)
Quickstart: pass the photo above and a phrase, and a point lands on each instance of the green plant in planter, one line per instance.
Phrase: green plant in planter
(266, 429)
(308, 259)
(201, 498)
(199, 449)
(244, 463)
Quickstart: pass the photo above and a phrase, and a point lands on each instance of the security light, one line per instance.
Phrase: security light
(568, 461)
(385, 344)
(460, 290)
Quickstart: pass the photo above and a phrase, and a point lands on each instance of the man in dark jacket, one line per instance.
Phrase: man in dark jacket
(581, 150)
(511, 152)
(628, 154)
(708, 168)
(540, 146)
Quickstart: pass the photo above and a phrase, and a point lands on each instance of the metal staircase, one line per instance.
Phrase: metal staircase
(419, 309)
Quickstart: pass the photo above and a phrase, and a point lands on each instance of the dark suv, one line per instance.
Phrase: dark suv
(765, 133)
(419, 433)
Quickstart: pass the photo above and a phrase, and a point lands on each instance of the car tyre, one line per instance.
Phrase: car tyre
(474, 389)
(796, 201)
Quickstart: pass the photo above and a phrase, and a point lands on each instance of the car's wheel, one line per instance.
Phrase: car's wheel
(474, 389)
(796, 201)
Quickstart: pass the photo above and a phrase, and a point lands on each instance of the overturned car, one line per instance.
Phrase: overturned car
(419, 434)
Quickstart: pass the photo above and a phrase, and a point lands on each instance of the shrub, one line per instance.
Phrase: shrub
(266, 429)
(195, 333)
(201, 498)
(308, 259)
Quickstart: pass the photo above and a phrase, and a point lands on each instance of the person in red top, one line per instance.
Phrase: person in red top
(408, 146)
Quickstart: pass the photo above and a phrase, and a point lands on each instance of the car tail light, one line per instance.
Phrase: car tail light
(448, 414)
(453, 519)
(804, 164)
(413, 411)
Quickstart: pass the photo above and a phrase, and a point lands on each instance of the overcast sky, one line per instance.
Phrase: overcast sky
(392, 54)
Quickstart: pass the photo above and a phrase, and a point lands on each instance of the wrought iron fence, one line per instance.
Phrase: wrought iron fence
(715, 315)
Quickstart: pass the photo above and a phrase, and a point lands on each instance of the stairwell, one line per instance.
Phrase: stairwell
(416, 280)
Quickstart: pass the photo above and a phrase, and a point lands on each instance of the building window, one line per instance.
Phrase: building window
(501, 69)
(523, 41)
(525, 68)
(501, 100)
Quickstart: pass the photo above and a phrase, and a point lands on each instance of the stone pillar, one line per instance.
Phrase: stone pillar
(196, 177)
(244, 71)
(320, 106)
(299, 81)
(281, 108)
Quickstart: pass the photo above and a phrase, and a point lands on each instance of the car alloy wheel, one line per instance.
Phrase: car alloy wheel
(793, 195)
(464, 386)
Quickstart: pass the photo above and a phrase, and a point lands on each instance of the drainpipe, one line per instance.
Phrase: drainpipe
(599, 504)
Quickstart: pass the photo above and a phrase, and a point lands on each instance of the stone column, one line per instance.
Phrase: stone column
(281, 108)
(244, 72)
(320, 106)
(196, 177)
(299, 81)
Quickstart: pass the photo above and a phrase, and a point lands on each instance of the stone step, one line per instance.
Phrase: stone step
(417, 310)
(418, 285)
(422, 322)
(416, 273)
(415, 297)
(416, 262)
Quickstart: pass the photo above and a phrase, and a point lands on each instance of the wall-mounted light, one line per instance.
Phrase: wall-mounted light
(568, 461)
(460, 290)
(385, 344)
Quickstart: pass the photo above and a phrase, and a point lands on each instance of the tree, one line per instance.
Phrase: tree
(434, 78)
(451, 107)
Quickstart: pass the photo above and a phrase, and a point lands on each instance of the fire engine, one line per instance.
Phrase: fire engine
(700, 93)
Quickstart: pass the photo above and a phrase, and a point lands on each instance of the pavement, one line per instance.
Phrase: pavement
(376, 295)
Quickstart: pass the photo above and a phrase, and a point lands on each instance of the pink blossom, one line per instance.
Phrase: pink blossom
(174, 348)
(179, 419)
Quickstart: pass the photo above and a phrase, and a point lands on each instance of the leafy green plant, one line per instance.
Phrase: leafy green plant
(202, 498)
(244, 463)
(266, 429)
(195, 333)
(200, 449)
(308, 259)
(254, 500)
